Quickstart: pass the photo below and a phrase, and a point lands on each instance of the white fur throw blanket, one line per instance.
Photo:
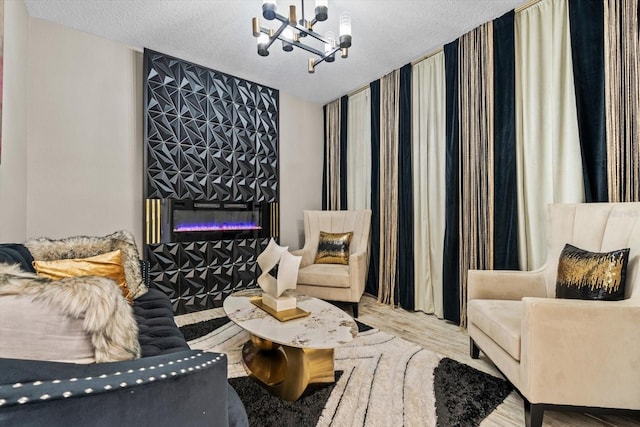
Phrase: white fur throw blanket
(106, 316)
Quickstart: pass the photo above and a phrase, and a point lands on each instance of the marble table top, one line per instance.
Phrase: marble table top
(326, 327)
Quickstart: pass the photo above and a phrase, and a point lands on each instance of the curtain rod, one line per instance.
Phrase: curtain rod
(427, 56)
(526, 5)
(357, 91)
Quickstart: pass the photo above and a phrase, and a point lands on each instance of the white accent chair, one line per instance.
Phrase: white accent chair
(564, 354)
(335, 282)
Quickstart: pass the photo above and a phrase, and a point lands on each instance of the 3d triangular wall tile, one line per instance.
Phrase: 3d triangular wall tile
(199, 275)
(189, 106)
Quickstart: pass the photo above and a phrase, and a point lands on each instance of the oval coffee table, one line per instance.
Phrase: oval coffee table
(285, 357)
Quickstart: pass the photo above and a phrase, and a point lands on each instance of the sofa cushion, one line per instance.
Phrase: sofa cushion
(15, 253)
(104, 265)
(331, 275)
(591, 275)
(96, 301)
(45, 249)
(500, 320)
(157, 330)
(32, 329)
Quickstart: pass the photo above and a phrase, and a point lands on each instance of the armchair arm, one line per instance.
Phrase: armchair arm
(185, 388)
(358, 270)
(307, 256)
(505, 284)
(577, 352)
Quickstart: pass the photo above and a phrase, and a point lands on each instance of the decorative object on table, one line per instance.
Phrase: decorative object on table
(292, 32)
(273, 288)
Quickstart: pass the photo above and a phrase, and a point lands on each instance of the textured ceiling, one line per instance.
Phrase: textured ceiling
(217, 34)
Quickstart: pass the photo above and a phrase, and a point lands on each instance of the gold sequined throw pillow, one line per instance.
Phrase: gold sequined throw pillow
(591, 275)
(333, 248)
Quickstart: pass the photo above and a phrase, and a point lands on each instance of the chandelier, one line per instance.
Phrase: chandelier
(292, 33)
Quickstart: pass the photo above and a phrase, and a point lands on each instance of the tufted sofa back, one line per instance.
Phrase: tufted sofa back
(596, 227)
(357, 221)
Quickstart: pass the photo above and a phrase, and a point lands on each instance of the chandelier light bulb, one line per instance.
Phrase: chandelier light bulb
(345, 24)
(345, 30)
(269, 9)
(288, 35)
(263, 41)
(322, 10)
(331, 38)
(328, 47)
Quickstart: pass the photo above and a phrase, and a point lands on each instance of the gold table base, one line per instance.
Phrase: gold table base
(287, 371)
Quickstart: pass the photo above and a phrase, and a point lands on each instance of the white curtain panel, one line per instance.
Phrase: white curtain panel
(359, 151)
(547, 145)
(428, 147)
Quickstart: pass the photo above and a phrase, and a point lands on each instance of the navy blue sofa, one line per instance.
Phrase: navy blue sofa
(170, 385)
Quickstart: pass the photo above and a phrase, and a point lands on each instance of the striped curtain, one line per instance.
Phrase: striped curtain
(522, 124)
(334, 179)
(475, 61)
(389, 129)
(622, 96)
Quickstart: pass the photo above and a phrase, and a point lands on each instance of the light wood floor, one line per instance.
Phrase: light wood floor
(449, 340)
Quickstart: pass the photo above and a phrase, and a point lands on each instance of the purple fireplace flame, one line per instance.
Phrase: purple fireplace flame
(214, 226)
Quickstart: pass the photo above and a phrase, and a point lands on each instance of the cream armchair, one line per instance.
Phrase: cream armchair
(335, 282)
(564, 353)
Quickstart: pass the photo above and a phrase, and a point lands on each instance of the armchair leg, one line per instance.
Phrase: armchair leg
(533, 414)
(474, 350)
(354, 308)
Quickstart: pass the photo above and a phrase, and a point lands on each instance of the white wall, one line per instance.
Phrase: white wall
(301, 154)
(85, 134)
(13, 164)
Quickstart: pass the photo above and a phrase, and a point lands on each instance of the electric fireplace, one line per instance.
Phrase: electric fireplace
(171, 220)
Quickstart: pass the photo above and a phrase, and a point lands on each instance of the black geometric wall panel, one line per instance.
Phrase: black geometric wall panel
(208, 135)
(200, 275)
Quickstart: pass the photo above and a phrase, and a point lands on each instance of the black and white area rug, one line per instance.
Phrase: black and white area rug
(381, 380)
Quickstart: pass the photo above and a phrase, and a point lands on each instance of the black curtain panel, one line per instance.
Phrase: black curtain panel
(451, 271)
(324, 161)
(405, 283)
(505, 235)
(344, 107)
(374, 262)
(586, 18)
